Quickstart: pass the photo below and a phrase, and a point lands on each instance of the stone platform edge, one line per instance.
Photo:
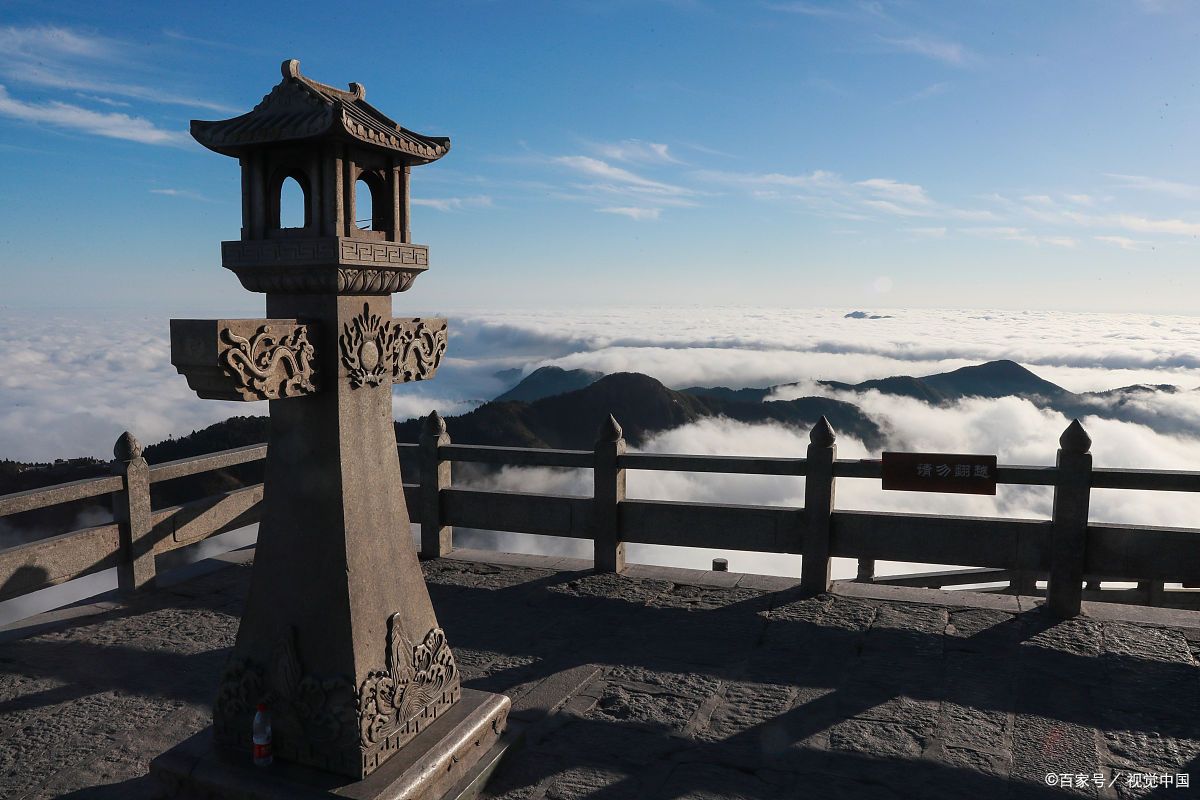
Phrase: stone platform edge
(961, 598)
(958, 598)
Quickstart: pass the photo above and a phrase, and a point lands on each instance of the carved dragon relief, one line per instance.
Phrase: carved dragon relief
(374, 350)
(266, 366)
(417, 349)
(329, 711)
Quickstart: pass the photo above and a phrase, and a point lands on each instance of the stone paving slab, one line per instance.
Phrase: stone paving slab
(667, 684)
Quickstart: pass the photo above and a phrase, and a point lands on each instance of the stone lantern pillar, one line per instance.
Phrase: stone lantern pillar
(338, 637)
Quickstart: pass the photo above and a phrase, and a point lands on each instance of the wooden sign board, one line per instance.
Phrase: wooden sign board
(939, 472)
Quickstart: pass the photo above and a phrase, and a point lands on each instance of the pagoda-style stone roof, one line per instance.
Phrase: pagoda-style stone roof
(300, 108)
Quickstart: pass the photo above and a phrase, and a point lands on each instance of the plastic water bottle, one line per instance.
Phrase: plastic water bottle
(262, 737)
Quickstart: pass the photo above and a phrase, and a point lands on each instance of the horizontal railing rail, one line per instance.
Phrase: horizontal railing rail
(186, 467)
(34, 499)
(1018, 552)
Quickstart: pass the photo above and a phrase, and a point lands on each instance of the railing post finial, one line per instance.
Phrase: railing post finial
(434, 426)
(822, 434)
(1075, 439)
(127, 447)
(610, 430)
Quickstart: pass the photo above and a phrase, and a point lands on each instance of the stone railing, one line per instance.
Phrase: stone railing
(1072, 554)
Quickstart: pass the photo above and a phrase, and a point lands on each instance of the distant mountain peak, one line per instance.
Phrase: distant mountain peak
(549, 381)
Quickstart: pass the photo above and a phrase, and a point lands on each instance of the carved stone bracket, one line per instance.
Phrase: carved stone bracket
(375, 350)
(417, 348)
(270, 366)
(244, 359)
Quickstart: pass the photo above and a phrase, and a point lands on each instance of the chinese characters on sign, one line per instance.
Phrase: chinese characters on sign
(939, 472)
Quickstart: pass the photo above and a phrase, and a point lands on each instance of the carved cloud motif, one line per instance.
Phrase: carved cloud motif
(415, 678)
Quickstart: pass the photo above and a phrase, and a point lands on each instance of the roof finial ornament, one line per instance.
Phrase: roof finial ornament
(822, 433)
(1075, 439)
(610, 430)
(291, 68)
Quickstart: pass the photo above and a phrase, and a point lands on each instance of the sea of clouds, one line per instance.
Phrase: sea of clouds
(70, 383)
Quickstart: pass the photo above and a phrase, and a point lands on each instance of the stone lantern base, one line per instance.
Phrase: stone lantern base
(449, 760)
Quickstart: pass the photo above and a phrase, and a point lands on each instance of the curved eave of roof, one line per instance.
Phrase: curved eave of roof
(231, 139)
(322, 112)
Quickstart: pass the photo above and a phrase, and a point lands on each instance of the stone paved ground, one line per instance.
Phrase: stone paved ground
(652, 686)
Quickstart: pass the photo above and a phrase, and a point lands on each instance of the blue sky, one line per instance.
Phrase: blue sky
(1008, 155)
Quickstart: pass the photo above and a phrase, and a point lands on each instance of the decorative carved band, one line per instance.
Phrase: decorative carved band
(374, 349)
(376, 253)
(374, 281)
(326, 280)
(325, 265)
(268, 366)
(322, 250)
(279, 251)
(325, 721)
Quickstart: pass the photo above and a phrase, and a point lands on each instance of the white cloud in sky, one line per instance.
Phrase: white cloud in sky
(637, 151)
(601, 169)
(932, 90)
(184, 193)
(896, 191)
(72, 117)
(1157, 185)
(51, 40)
(1123, 242)
(946, 52)
(1079, 212)
(61, 59)
(446, 204)
(1014, 234)
(632, 212)
(1140, 224)
(1035, 218)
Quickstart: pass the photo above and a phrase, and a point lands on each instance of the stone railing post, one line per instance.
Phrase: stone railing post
(818, 508)
(607, 493)
(131, 512)
(866, 571)
(1152, 591)
(1068, 537)
(437, 538)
